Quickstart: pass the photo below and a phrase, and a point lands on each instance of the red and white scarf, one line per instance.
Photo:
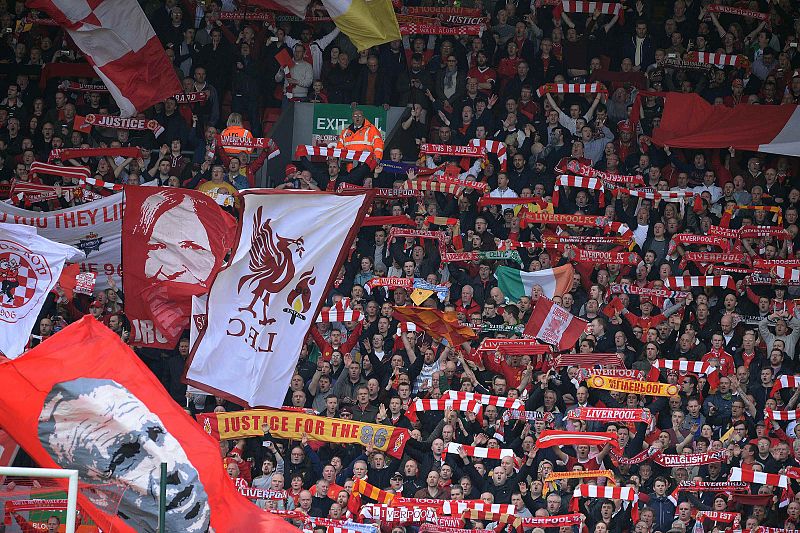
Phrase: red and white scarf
(392, 283)
(761, 478)
(730, 10)
(514, 346)
(552, 437)
(103, 184)
(713, 58)
(496, 147)
(646, 291)
(609, 414)
(689, 459)
(628, 494)
(579, 6)
(569, 520)
(571, 88)
(440, 405)
(452, 150)
(435, 29)
(784, 382)
(586, 170)
(707, 240)
(781, 415)
(37, 167)
(323, 151)
(475, 451)
(339, 314)
(787, 273)
(77, 153)
(571, 180)
(694, 367)
(485, 399)
(607, 258)
(651, 194)
(589, 360)
(134, 124)
(685, 282)
(398, 515)
(757, 232)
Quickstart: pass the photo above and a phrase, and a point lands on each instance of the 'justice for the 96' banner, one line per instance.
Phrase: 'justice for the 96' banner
(94, 228)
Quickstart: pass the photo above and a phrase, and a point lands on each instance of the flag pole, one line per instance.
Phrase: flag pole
(162, 499)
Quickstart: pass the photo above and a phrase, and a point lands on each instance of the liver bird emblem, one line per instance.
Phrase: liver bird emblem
(271, 265)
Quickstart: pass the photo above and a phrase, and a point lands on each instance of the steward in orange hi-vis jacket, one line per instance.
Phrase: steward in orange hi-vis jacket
(362, 136)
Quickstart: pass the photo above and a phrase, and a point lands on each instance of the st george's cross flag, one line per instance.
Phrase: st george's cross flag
(263, 302)
(30, 266)
(554, 325)
(119, 42)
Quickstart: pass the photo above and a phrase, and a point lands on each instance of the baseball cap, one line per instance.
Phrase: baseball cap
(291, 168)
(397, 475)
(96, 304)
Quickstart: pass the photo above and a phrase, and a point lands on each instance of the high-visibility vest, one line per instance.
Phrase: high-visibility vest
(237, 131)
(366, 138)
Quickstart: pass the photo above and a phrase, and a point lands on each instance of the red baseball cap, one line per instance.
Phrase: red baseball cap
(291, 168)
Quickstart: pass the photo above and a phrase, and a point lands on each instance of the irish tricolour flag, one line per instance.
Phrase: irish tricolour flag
(516, 283)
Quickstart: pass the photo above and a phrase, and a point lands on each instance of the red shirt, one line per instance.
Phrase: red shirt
(487, 75)
(726, 365)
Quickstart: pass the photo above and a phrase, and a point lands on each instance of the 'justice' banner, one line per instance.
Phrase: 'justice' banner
(292, 425)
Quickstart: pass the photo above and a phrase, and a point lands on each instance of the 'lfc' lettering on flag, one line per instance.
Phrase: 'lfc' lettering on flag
(174, 242)
(262, 303)
(553, 324)
(30, 266)
(108, 417)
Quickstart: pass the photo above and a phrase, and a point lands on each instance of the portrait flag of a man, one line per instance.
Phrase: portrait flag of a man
(263, 301)
(83, 400)
(30, 266)
(173, 244)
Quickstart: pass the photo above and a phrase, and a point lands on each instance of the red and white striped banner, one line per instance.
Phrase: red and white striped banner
(687, 282)
(496, 147)
(485, 399)
(761, 478)
(785, 382)
(37, 167)
(572, 88)
(781, 415)
(713, 58)
(475, 451)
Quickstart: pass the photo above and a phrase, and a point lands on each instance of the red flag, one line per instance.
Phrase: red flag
(120, 44)
(553, 324)
(80, 124)
(85, 401)
(173, 244)
(67, 280)
(284, 58)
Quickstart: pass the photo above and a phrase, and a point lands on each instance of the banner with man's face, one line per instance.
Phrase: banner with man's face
(173, 244)
(83, 400)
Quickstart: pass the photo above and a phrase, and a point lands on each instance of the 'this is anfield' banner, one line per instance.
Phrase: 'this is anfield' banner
(293, 424)
(94, 228)
(174, 241)
(263, 302)
(107, 416)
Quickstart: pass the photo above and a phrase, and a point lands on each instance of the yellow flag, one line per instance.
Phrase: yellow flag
(420, 295)
(368, 23)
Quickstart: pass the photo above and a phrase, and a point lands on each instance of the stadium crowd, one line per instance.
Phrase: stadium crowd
(457, 88)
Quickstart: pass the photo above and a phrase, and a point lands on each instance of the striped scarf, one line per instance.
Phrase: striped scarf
(435, 29)
(496, 147)
(761, 478)
(551, 437)
(514, 346)
(372, 492)
(586, 170)
(305, 150)
(339, 314)
(102, 184)
(37, 167)
(684, 282)
(722, 60)
(788, 274)
(456, 189)
(502, 519)
(475, 451)
(382, 192)
(485, 399)
(628, 494)
(589, 360)
(570, 180)
(777, 213)
(579, 6)
(784, 382)
(581, 474)
(645, 291)
(781, 415)
(650, 194)
(77, 153)
(694, 367)
(398, 516)
(392, 283)
(569, 520)
(572, 88)
(440, 405)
